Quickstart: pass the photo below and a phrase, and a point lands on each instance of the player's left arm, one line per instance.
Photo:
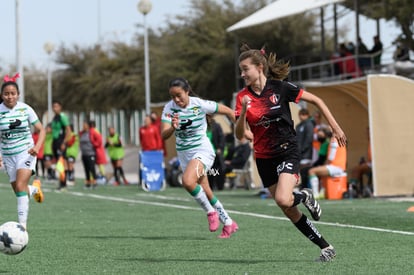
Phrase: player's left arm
(223, 109)
(336, 129)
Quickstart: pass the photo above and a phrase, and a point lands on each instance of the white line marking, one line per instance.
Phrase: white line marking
(256, 215)
(240, 213)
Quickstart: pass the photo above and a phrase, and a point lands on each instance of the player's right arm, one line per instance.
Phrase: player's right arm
(167, 129)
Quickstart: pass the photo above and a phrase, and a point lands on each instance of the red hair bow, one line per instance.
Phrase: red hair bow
(11, 79)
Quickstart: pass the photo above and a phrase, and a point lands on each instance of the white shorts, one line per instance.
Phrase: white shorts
(335, 171)
(21, 161)
(204, 154)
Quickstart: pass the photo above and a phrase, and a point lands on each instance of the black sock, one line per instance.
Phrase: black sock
(121, 171)
(309, 230)
(116, 175)
(298, 198)
(50, 172)
(71, 175)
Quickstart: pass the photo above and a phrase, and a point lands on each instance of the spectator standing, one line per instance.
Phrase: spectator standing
(348, 66)
(61, 133)
(364, 62)
(40, 156)
(48, 153)
(18, 151)
(87, 141)
(229, 146)
(376, 50)
(216, 176)
(304, 134)
(156, 121)
(116, 154)
(362, 48)
(149, 136)
(98, 143)
(72, 151)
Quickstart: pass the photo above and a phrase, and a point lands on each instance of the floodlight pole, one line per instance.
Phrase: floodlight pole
(144, 7)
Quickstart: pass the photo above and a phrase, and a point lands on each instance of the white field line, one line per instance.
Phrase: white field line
(250, 214)
(240, 213)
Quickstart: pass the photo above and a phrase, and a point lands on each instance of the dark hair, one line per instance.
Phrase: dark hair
(92, 123)
(304, 111)
(57, 102)
(326, 131)
(7, 83)
(153, 119)
(272, 68)
(182, 83)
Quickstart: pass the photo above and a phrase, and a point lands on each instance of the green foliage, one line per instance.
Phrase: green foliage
(97, 80)
(194, 45)
(401, 12)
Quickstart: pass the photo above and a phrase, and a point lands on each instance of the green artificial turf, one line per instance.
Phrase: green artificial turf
(125, 230)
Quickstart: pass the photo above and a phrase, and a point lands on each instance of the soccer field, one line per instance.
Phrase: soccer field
(124, 230)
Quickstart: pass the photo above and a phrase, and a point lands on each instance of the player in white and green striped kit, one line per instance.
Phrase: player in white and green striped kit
(185, 117)
(18, 151)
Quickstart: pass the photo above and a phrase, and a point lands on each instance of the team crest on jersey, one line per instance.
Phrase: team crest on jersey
(196, 110)
(274, 98)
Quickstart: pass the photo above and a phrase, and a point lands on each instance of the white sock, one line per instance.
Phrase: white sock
(201, 197)
(23, 209)
(32, 190)
(223, 215)
(314, 182)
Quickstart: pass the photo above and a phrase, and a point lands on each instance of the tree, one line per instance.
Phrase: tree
(195, 46)
(401, 12)
(97, 80)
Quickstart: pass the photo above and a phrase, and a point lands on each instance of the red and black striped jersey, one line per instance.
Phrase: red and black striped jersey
(269, 117)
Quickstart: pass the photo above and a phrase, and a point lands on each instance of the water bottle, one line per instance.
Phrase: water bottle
(350, 191)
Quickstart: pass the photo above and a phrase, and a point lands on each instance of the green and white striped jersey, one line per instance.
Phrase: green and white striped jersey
(193, 125)
(15, 123)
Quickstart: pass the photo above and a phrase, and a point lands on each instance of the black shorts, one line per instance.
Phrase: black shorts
(270, 169)
(56, 144)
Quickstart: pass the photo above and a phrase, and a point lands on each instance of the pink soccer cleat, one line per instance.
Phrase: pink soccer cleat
(228, 230)
(213, 221)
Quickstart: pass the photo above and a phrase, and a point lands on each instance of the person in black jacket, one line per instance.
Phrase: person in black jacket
(216, 177)
(304, 134)
(240, 156)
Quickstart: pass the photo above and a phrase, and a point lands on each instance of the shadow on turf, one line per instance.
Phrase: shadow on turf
(226, 261)
(155, 238)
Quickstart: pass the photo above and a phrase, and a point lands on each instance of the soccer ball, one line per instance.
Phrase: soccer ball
(13, 238)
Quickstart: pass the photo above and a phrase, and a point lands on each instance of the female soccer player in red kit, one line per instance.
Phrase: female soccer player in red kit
(263, 105)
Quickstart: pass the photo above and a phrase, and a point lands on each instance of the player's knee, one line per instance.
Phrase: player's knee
(283, 202)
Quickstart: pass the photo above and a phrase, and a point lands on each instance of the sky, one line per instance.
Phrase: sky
(80, 22)
(76, 22)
